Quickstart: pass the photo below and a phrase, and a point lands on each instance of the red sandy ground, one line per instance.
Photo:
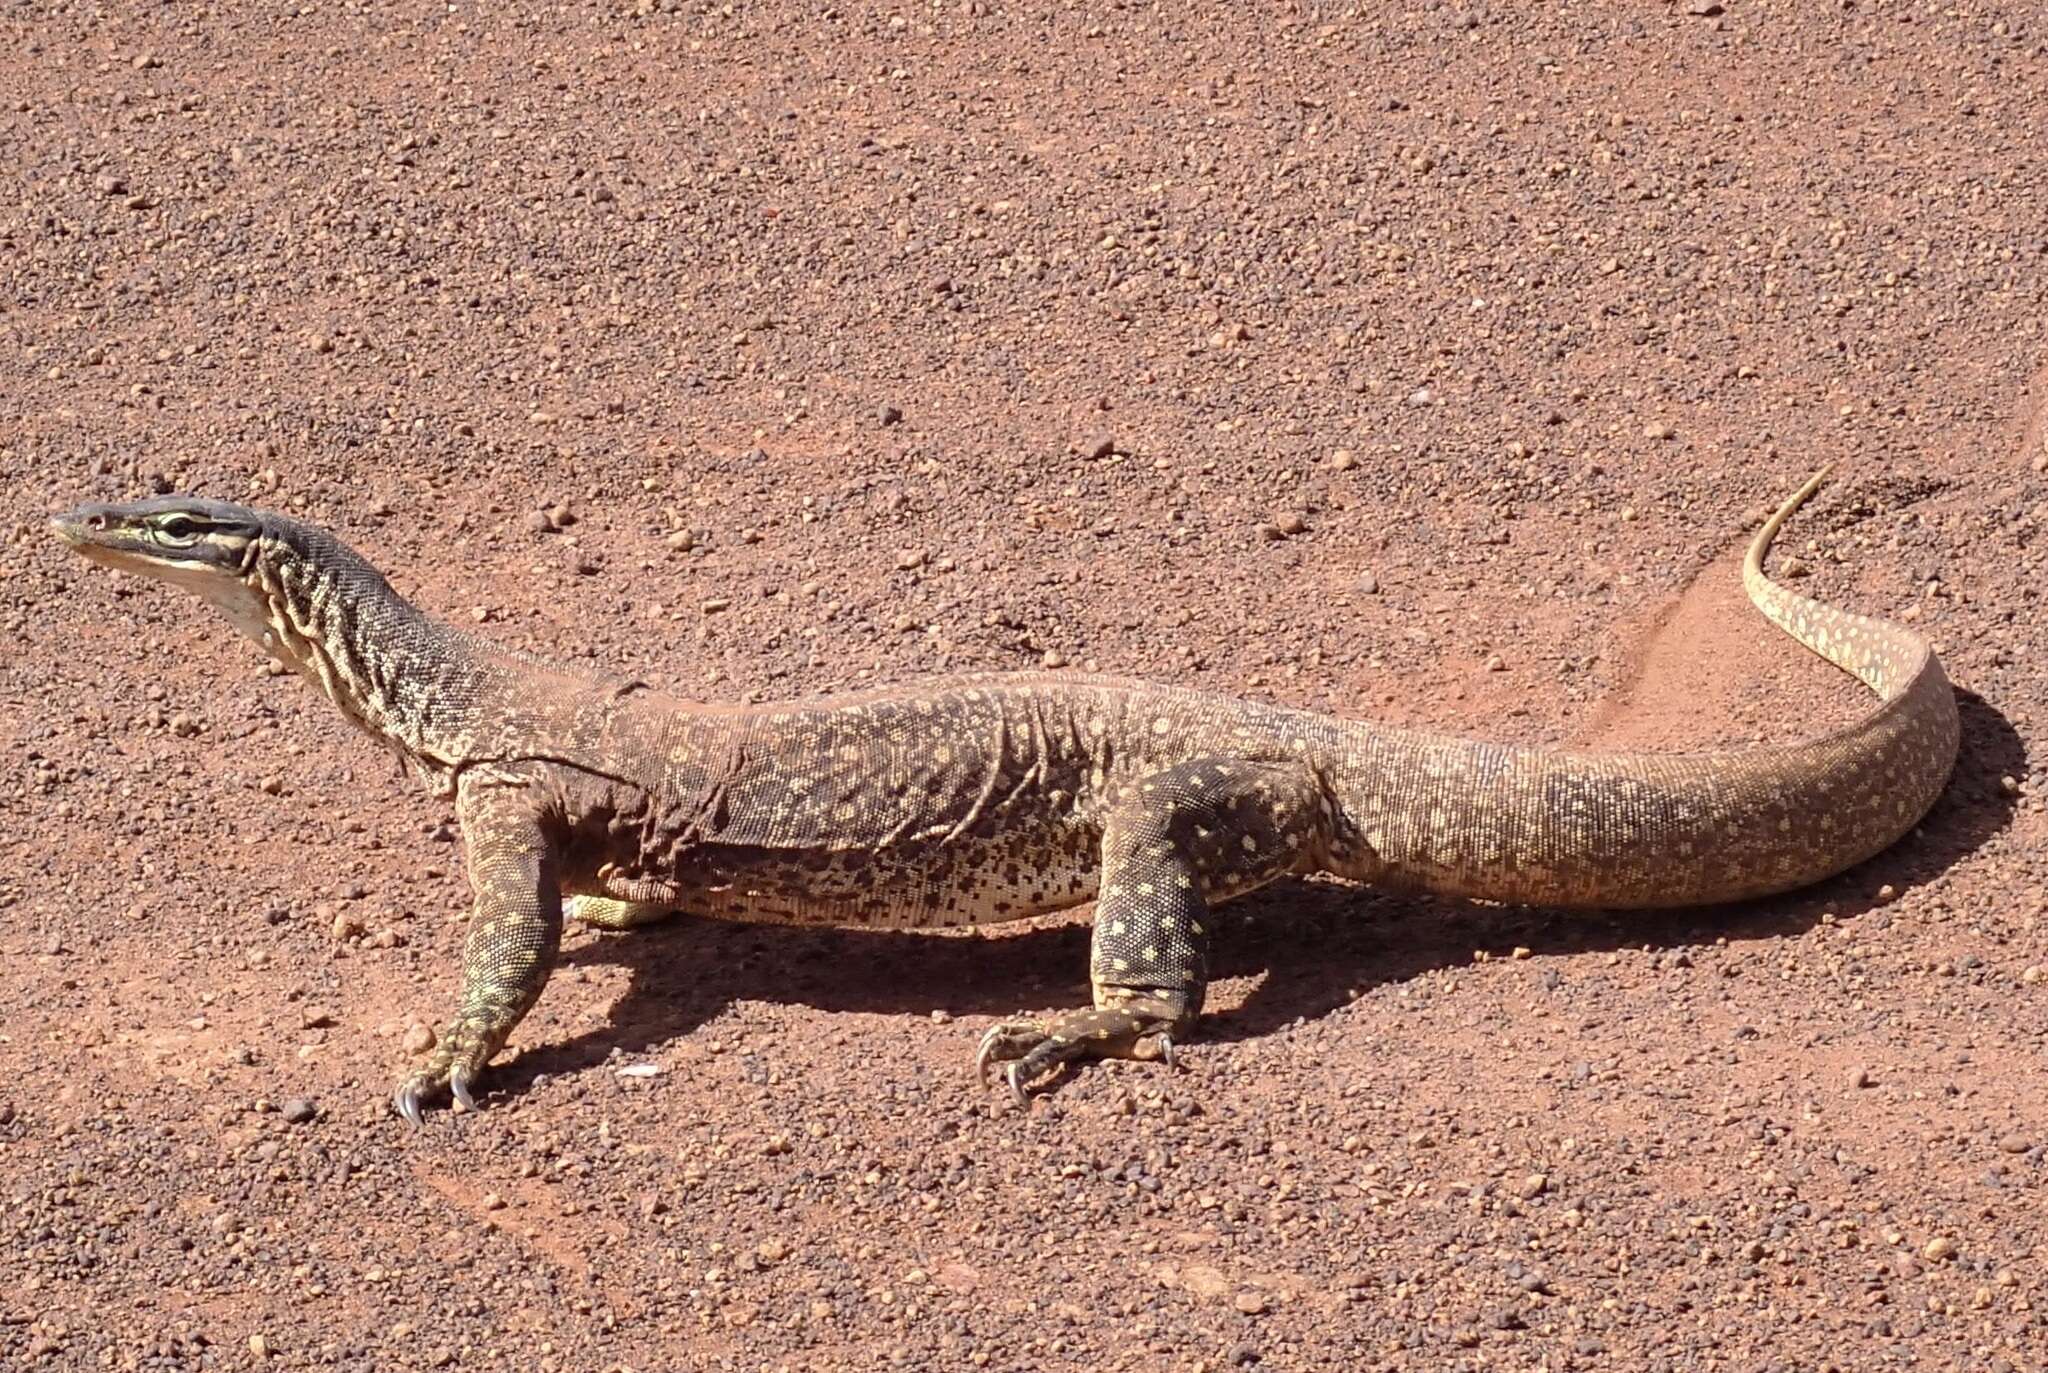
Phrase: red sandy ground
(1523, 312)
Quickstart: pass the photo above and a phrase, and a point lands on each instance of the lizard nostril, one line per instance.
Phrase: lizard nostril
(96, 522)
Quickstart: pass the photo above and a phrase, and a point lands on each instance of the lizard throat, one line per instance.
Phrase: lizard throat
(382, 662)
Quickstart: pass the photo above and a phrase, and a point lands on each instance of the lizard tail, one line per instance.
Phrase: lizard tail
(1884, 656)
(1506, 822)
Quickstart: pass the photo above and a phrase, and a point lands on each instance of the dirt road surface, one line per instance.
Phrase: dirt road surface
(1426, 362)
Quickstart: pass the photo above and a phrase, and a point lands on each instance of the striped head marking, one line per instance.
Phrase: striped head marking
(209, 548)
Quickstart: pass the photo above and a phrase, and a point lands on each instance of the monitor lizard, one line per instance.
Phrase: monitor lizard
(978, 799)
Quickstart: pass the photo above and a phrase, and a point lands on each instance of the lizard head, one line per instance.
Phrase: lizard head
(171, 537)
(308, 599)
(209, 548)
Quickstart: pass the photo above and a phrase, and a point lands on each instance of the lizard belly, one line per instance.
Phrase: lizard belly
(908, 886)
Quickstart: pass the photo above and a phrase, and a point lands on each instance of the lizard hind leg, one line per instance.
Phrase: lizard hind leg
(1203, 831)
(603, 913)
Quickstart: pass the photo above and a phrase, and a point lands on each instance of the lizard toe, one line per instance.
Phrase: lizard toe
(1014, 1076)
(1005, 1042)
(431, 1082)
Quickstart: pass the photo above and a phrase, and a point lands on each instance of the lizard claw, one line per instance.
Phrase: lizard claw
(406, 1101)
(983, 1054)
(1014, 1075)
(459, 1083)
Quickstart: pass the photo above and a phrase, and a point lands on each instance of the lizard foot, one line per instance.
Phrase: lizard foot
(1141, 1028)
(451, 1070)
(603, 913)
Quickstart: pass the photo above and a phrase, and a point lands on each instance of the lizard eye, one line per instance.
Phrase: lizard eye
(177, 530)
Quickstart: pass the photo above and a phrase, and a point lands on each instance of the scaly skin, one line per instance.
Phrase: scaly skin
(981, 799)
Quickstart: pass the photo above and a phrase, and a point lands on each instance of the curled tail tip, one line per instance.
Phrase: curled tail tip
(1753, 565)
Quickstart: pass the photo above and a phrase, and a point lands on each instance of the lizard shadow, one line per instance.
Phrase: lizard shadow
(1307, 947)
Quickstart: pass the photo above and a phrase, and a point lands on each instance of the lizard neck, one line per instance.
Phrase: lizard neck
(406, 679)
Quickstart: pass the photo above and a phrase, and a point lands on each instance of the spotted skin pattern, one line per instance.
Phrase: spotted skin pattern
(976, 800)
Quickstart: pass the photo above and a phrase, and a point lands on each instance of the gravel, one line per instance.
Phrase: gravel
(666, 280)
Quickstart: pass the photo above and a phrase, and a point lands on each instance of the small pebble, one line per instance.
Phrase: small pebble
(315, 1017)
(2015, 1144)
(1658, 431)
(418, 1039)
(1102, 446)
(1343, 460)
(259, 1346)
(1251, 1302)
(1369, 583)
(1291, 523)
(1496, 663)
(1533, 1186)
(1860, 1078)
(1939, 1248)
(537, 522)
(888, 415)
(297, 1111)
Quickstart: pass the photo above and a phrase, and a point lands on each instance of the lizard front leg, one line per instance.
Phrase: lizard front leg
(1204, 831)
(513, 938)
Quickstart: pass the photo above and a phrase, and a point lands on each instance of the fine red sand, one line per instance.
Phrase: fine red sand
(1429, 363)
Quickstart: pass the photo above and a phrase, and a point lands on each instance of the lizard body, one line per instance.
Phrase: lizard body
(980, 799)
